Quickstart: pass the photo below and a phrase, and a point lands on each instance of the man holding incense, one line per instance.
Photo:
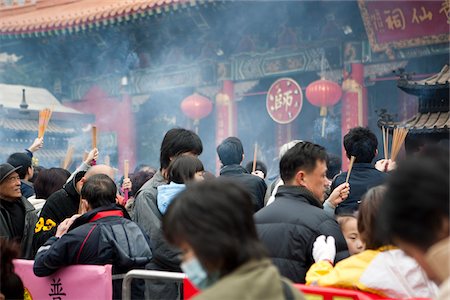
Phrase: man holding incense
(289, 226)
(361, 143)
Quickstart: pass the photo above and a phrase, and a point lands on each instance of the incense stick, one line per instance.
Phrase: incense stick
(44, 119)
(126, 167)
(383, 129)
(350, 166)
(398, 139)
(94, 142)
(68, 158)
(254, 158)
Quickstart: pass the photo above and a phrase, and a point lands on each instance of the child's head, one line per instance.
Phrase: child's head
(185, 168)
(349, 228)
(368, 216)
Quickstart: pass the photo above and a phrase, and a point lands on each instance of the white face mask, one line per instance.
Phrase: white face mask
(197, 274)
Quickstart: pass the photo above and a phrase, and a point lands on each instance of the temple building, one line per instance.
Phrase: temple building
(254, 69)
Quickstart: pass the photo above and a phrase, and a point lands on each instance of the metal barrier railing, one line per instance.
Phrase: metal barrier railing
(147, 274)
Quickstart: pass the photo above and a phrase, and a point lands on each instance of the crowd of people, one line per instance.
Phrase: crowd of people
(385, 230)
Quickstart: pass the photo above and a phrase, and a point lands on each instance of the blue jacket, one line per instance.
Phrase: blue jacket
(166, 193)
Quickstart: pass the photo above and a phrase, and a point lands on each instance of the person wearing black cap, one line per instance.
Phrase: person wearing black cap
(17, 215)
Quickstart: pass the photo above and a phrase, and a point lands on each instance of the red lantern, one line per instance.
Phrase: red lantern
(196, 106)
(323, 93)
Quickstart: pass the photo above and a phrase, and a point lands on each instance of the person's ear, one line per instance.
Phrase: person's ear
(376, 152)
(300, 178)
(84, 206)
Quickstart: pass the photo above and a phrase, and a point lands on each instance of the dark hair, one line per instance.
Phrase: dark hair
(259, 166)
(178, 141)
(49, 181)
(144, 167)
(361, 143)
(303, 156)
(230, 151)
(215, 218)
(20, 159)
(11, 286)
(417, 200)
(183, 168)
(368, 218)
(334, 165)
(99, 190)
(36, 170)
(138, 179)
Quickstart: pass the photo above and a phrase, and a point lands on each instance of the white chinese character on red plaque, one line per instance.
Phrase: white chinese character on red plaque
(284, 100)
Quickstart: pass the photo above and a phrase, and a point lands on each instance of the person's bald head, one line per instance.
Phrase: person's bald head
(94, 170)
(100, 169)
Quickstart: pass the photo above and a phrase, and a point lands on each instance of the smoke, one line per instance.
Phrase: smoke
(164, 44)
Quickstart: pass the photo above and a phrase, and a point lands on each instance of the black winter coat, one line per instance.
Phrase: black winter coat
(289, 226)
(253, 184)
(102, 236)
(363, 177)
(60, 205)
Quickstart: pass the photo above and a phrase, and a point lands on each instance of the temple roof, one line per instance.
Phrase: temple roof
(32, 125)
(422, 123)
(46, 16)
(36, 98)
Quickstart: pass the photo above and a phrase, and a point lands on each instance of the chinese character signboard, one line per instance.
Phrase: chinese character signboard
(95, 282)
(284, 100)
(403, 24)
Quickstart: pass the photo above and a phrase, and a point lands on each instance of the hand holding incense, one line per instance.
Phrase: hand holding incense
(350, 166)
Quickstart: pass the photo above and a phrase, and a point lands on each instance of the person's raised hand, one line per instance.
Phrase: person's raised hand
(92, 155)
(65, 225)
(37, 144)
(324, 249)
(339, 194)
(126, 184)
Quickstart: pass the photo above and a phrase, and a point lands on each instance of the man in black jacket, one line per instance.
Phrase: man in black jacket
(289, 226)
(361, 143)
(63, 204)
(103, 235)
(231, 154)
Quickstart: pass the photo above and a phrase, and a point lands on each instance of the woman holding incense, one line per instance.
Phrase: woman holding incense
(381, 269)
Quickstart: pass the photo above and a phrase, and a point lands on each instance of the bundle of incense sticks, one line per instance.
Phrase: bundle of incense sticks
(398, 138)
(350, 166)
(254, 158)
(68, 158)
(44, 118)
(94, 141)
(126, 168)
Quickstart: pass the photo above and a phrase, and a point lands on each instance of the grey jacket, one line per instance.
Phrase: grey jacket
(28, 230)
(165, 258)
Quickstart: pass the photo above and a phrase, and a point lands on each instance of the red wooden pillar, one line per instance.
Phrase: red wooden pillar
(226, 115)
(354, 104)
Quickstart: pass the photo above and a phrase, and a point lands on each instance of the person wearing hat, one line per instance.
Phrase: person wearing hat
(17, 215)
(26, 172)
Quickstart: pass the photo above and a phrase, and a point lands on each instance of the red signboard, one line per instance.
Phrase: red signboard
(403, 24)
(284, 100)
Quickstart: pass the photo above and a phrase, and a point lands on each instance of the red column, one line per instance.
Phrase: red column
(226, 115)
(354, 104)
